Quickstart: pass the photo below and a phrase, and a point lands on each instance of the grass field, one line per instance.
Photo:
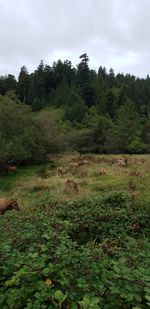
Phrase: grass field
(33, 182)
(77, 249)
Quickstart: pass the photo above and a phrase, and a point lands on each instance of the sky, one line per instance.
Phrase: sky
(114, 33)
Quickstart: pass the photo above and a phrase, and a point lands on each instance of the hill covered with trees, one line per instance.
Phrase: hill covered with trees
(62, 107)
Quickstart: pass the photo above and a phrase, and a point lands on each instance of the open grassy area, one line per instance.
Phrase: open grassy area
(77, 249)
(31, 182)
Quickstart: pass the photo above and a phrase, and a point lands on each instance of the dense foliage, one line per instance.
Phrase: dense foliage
(25, 137)
(88, 253)
(101, 112)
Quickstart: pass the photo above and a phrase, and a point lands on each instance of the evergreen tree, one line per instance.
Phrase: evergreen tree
(100, 90)
(32, 93)
(40, 82)
(128, 127)
(7, 83)
(49, 80)
(109, 100)
(23, 84)
(3, 85)
(75, 109)
(83, 75)
(111, 78)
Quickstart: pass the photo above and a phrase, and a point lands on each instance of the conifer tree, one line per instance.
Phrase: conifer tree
(23, 84)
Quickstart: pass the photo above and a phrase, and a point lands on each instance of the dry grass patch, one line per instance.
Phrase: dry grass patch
(28, 186)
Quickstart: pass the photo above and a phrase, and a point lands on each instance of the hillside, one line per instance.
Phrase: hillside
(106, 112)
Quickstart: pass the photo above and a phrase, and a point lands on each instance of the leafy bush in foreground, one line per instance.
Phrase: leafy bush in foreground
(85, 254)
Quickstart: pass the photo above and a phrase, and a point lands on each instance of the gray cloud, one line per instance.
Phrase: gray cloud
(113, 33)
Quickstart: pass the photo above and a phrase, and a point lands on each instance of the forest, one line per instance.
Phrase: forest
(61, 108)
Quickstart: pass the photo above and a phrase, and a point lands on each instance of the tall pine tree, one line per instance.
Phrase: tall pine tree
(23, 84)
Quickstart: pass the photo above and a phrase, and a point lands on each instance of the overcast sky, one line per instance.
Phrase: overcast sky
(114, 33)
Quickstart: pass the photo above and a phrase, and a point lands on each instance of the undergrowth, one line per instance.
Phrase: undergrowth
(88, 253)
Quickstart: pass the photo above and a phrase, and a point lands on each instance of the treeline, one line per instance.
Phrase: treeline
(102, 112)
(61, 84)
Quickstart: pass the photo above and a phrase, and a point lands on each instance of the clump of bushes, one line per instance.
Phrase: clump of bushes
(25, 138)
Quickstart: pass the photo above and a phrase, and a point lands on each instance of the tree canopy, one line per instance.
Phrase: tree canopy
(113, 110)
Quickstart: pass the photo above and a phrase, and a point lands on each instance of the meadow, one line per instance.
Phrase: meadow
(33, 181)
(86, 248)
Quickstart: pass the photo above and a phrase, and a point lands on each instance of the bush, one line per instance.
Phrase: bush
(25, 137)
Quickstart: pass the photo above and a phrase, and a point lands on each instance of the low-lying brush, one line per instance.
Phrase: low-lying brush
(84, 254)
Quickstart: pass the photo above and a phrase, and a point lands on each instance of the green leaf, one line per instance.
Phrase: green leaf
(116, 268)
(74, 306)
(59, 296)
(147, 297)
(46, 271)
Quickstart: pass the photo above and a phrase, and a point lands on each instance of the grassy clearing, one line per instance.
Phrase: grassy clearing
(33, 181)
